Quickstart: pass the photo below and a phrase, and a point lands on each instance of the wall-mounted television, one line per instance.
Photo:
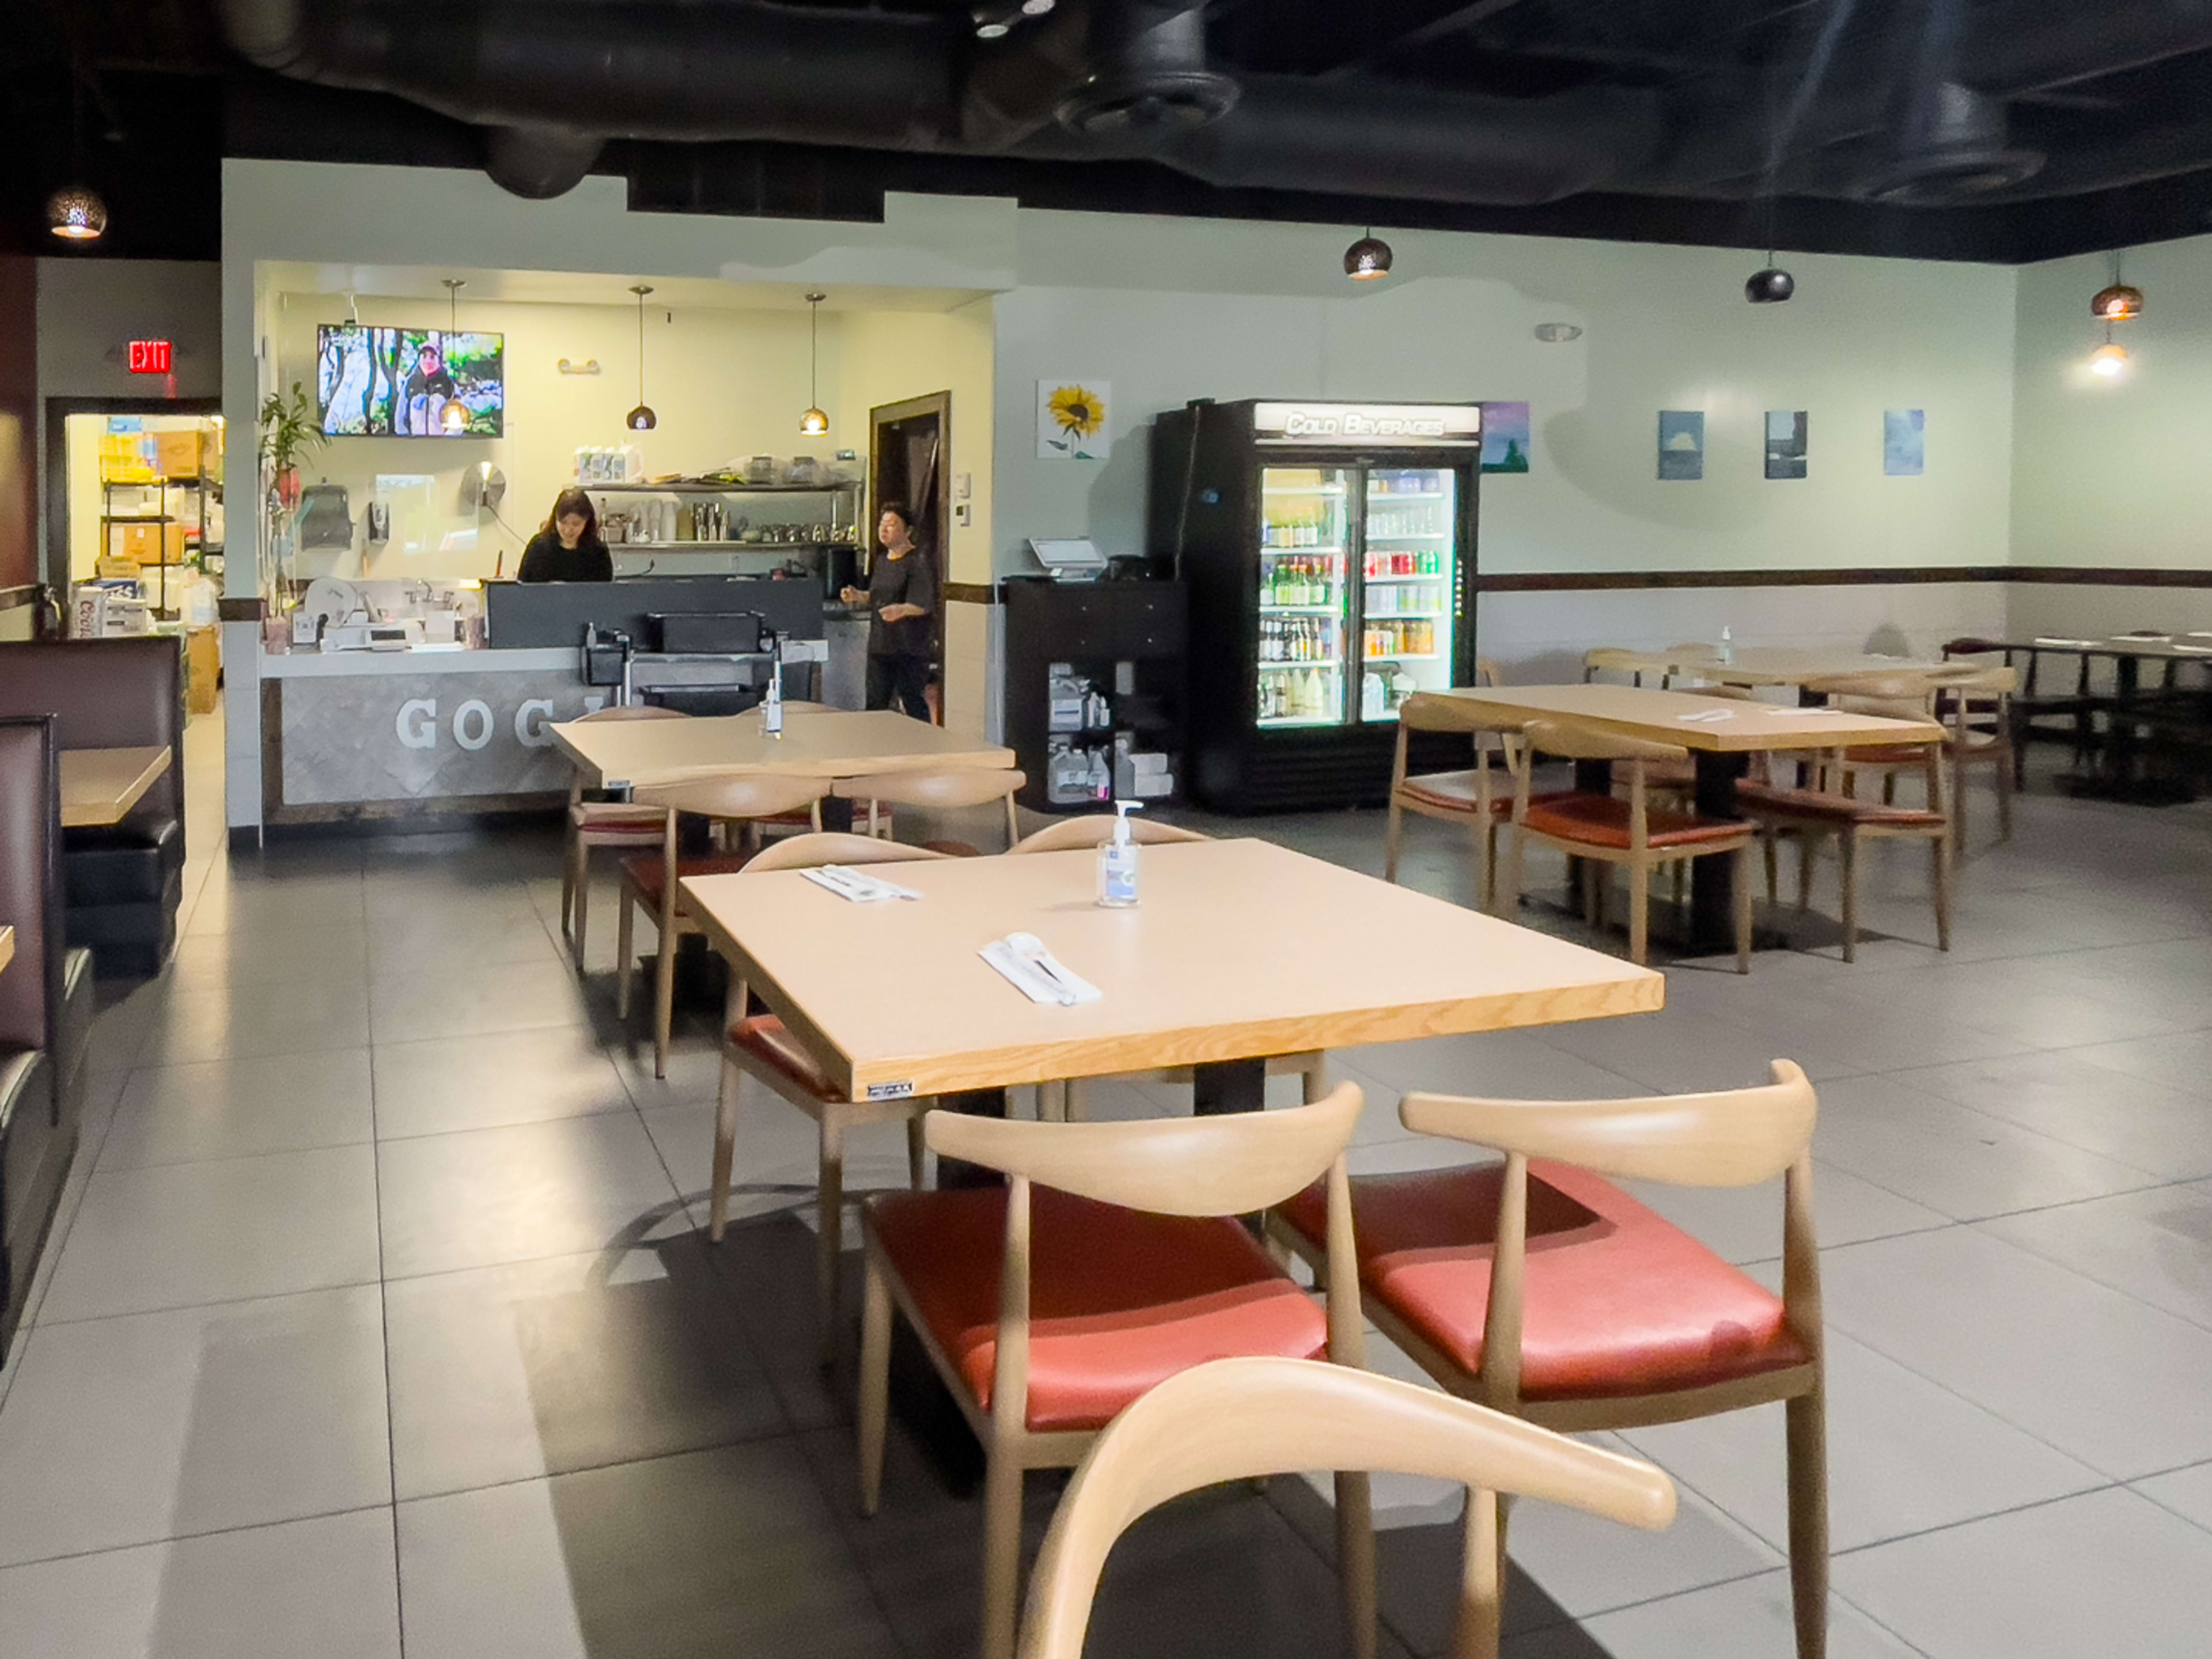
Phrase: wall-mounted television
(399, 382)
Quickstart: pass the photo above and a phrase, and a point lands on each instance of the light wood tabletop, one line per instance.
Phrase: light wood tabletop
(1768, 664)
(1239, 948)
(7, 946)
(100, 786)
(1723, 725)
(822, 743)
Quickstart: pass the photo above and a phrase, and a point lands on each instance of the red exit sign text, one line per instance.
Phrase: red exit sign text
(149, 357)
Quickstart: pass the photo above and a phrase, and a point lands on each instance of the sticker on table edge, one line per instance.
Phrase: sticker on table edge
(890, 1091)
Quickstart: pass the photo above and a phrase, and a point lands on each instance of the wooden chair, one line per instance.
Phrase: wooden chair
(1977, 711)
(1236, 1419)
(1901, 695)
(761, 1047)
(651, 884)
(1606, 828)
(2029, 706)
(1815, 814)
(1612, 659)
(595, 823)
(939, 789)
(1694, 654)
(1072, 834)
(1063, 1101)
(1539, 1288)
(1469, 797)
(1048, 1311)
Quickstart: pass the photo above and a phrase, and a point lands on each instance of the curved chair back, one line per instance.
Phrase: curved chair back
(1487, 672)
(1232, 1165)
(947, 786)
(1571, 742)
(1901, 694)
(1729, 1138)
(1608, 658)
(1233, 1419)
(832, 847)
(1440, 711)
(633, 711)
(1070, 834)
(736, 794)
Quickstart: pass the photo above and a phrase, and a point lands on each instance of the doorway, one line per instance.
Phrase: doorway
(908, 450)
(134, 493)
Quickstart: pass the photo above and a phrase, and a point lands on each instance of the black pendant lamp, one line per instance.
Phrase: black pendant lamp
(75, 212)
(453, 418)
(1368, 260)
(642, 419)
(1770, 286)
(814, 422)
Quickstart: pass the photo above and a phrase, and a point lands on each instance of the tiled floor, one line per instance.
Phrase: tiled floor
(378, 1320)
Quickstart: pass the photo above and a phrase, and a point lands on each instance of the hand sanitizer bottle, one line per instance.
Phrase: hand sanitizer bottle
(1726, 654)
(772, 705)
(1117, 862)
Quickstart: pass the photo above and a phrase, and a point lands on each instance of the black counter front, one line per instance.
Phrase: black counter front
(532, 616)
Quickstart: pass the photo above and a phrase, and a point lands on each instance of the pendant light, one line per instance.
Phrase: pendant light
(2118, 303)
(2110, 359)
(1770, 286)
(642, 419)
(814, 422)
(75, 212)
(1368, 260)
(453, 418)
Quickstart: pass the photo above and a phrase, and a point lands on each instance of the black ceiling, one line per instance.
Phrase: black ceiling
(1718, 122)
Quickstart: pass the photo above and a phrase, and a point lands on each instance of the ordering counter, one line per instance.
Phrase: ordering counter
(432, 730)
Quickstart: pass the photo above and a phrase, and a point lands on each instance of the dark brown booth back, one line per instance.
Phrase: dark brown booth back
(30, 879)
(108, 693)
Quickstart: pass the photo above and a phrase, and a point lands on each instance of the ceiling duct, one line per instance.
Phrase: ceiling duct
(1952, 147)
(1148, 72)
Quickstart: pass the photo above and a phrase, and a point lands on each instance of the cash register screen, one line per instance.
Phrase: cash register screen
(1069, 559)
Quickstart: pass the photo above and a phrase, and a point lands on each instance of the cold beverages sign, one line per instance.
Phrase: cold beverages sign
(1452, 425)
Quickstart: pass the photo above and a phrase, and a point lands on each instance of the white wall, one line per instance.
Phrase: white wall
(1664, 327)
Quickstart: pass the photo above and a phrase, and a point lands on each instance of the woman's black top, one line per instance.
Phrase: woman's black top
(546, 560)
(909, 581)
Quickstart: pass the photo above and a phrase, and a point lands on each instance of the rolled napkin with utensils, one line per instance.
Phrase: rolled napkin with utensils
(1021, 960)
(857, 885)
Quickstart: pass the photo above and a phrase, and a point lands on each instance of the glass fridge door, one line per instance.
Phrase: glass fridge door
(1305, 520)
(1409, 571)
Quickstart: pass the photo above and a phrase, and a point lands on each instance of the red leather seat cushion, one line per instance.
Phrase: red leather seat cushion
(1602, 821)
(767, 1039)
(1618, 1302)
(644, 872)
(1839, 809)
(1886, 753)
(1119, 1300)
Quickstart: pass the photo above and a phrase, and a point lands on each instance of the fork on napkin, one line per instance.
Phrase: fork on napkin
(1024, 963)
(857, 885)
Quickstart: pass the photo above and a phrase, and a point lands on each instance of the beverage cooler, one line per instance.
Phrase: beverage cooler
(1329, 550)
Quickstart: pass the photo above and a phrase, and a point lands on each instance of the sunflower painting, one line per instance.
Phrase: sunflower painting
(1072, 420)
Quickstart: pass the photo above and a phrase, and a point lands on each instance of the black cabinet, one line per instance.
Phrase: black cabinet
(1125, 641)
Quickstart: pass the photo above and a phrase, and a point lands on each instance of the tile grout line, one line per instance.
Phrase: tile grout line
(384, 1333)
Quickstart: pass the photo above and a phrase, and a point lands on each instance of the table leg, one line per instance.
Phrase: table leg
(1712, 880)
(1234, 1085)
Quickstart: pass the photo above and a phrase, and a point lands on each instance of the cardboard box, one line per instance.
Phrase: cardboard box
(202, 669)
(177, 454)
(147, 544)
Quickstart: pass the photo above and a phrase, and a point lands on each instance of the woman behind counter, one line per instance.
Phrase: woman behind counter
(568, 548)
(902, 593)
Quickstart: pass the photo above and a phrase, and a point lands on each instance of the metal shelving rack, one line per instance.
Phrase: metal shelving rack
(200, 486)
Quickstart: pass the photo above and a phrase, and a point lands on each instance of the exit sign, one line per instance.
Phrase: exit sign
(149, 357)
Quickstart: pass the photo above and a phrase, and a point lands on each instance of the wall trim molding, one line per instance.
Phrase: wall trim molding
(1842, 576)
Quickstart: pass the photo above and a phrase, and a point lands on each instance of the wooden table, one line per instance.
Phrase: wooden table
(1770, 664)
(1240, 950)
(2135, 718)
(100, 786)
(1721, 745)
(7, 947)
(828, 742)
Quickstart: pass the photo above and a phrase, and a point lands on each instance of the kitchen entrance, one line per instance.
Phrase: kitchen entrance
(910, 442)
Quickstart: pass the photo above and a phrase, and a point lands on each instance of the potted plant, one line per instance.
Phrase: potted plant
(289, 431)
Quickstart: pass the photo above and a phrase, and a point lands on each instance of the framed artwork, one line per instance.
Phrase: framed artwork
(1681, 445)
(1785, 443)
(1903, 442)
(1072, 416)
(1505, 437)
